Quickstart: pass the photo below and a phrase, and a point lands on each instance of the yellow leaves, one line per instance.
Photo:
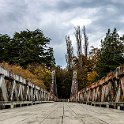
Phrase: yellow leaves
(92, 76)
(42, 73)
(24, 73)
(48, 71)
(39, 70)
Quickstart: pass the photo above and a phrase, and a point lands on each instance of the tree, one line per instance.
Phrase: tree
(85, 42)
(42, 73)
(69, 55)
(83, 62)
(64, 81)
(111, 53)
(92, 62)
(78, 37)
(94, 57)
(28, 47)
(4, 47)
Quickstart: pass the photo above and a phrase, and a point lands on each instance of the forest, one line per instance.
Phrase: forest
(27, 53)
(91, 63)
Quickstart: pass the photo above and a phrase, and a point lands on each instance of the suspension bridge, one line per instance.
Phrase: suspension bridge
(100, 103)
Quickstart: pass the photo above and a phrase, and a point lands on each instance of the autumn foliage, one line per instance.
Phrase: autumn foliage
(25, 73)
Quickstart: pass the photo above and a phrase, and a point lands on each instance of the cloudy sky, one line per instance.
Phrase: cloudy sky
(57, 18)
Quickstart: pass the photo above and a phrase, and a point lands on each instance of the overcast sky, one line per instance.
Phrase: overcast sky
(57, 18)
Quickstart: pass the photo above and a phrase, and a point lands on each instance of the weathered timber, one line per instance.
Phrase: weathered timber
(15, 88)
(61, 113)
(109, 89)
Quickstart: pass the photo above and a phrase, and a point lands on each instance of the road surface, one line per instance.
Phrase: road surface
(61, 113)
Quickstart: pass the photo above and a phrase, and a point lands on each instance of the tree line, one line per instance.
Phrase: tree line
(26, 47)
(30, 51)
(94, 64)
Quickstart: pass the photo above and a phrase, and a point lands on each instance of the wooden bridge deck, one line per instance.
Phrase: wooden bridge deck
(61, 113)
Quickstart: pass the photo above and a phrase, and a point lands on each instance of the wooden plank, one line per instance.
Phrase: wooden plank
(61, 113)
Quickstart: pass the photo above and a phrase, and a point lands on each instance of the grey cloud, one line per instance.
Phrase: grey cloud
(11, 15)
(55, 17)
(65, 6)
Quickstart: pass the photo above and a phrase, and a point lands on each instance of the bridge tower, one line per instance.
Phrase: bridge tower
(74, 87)
(53, 88)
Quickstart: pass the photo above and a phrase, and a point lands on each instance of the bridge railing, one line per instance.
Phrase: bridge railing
(15, 88)
(109, 89)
